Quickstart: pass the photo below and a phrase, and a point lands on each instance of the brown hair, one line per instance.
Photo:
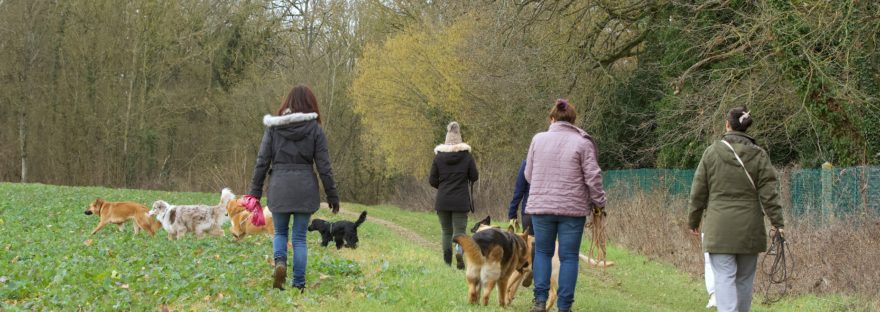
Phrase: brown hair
(563, 111)
(300, 100)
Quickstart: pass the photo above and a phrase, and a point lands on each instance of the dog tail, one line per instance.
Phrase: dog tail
(226, 196)
(471, 249)
(361, 219)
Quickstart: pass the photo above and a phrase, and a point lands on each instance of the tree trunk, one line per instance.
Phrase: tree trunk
(22, 136)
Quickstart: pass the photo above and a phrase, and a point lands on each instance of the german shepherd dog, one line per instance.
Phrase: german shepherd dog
(491, 256)
(525, 277)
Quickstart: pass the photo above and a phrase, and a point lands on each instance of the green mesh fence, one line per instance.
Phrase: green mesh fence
(823, 192)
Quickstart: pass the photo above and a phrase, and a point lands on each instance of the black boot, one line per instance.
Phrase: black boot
(564, 310)
(459, 259)
(447, 257)
(301, 288)
(539, 306)
(280, 273)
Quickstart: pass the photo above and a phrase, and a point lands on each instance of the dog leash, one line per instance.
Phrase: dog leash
(597, 225)
(779, 271)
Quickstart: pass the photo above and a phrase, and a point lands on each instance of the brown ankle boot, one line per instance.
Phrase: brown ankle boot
(280, 273)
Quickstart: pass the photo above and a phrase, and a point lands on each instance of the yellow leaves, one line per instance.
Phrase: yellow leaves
(407, 90)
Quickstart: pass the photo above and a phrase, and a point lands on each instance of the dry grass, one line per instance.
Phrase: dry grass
(831, 256)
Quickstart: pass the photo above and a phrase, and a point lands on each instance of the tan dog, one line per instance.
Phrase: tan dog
(492, 256)
(240, 219)
(120, 212)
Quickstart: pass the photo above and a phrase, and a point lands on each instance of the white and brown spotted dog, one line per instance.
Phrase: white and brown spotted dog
(198, 219)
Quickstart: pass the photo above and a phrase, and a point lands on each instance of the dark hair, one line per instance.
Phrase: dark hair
(300, 100)
(563, 111)
(740, 118)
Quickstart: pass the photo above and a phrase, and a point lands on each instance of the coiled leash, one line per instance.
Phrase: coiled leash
(597, 244)
(779, 271)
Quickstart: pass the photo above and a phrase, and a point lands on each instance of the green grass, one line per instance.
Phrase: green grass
(45, 264)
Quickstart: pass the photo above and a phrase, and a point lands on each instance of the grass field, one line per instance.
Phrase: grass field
(49, 262)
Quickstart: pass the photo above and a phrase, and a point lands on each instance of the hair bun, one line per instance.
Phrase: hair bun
(561, 104)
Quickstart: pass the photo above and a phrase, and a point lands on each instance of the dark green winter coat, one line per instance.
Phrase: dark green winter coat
(727, 204)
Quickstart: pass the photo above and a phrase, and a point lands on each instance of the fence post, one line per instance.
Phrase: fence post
(827, 189)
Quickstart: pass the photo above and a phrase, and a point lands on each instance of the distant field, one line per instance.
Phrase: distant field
(48, 263)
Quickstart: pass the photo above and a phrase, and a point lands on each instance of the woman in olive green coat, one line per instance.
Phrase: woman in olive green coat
(731, 203)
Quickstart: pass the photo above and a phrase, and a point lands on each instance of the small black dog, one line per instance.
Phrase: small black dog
(338, 231)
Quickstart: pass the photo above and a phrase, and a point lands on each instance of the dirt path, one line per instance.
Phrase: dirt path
(402, 231)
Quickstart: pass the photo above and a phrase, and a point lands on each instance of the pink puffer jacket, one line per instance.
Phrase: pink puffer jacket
(563, 172)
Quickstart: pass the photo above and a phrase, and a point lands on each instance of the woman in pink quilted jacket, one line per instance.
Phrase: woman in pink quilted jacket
(566, 185)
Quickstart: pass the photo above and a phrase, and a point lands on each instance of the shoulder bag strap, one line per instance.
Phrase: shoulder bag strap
(743, 165)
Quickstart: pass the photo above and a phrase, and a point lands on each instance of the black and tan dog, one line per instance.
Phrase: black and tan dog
(492, 256)
(524, 277)
(344, 233)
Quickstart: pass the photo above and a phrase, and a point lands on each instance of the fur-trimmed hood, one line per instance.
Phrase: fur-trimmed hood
(294, 127)
(275, 121)
(452, 148)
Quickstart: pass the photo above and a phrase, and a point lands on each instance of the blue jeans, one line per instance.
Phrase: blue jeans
(568, 231)
(298, 239)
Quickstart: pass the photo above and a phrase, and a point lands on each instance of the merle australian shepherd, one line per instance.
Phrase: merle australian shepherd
(344, 233)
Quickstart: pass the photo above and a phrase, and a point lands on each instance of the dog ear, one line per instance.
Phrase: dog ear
(159, 204)
(98, 203)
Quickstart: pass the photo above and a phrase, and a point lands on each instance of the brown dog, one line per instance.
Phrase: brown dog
(492, 256)
(241, 221)
(120, 212)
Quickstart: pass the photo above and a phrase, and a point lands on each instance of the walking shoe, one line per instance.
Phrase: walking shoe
(280, 273)
(447, 257)
(539, 306)
(711, 303)
(302, 288)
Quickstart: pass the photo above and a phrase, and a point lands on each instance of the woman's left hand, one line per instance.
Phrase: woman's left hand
(695, 232)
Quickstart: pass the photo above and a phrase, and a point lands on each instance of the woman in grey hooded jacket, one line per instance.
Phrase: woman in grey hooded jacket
(293, 143)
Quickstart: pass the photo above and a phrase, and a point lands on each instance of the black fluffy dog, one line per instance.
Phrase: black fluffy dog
(344, 233)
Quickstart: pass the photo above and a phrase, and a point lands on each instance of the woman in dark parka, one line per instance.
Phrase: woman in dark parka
(452, 172)
(734, 186)
(293, 143)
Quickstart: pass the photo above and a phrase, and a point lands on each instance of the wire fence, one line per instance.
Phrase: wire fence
(817, 192)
